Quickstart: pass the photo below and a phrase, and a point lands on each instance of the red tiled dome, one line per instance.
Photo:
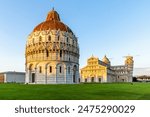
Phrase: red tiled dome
(52, 23)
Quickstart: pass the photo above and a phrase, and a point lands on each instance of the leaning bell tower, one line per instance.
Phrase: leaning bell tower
(129, 62)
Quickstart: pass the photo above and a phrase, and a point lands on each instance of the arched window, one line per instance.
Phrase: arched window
(69, 70)
(47, 53)
(58, 38)
(33, 41)
(67, 39)
(40, 38)
(60, 53)
(50, 69)
(49, 38)
(40, 69)
(74, 73)
(60, 69)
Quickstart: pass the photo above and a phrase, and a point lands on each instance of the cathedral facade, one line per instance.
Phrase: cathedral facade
(52, 53)
(102, 71)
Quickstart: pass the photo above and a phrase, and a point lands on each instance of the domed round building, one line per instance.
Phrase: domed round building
(52, 53)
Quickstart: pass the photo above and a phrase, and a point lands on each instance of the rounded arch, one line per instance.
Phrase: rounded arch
(36, 65)
(46, 65)
(49, 64)
(31, 78)
(69, 68)
(58, 64)
(75, 66)
(30, 67)
(61, 68)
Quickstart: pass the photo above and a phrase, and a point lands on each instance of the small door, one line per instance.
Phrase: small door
(92, 79)
(74, 78)
(85, 80)
(33, 77)
(123, 80)
(99, 79)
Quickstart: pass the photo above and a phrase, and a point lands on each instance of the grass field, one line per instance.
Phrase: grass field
(126, 91)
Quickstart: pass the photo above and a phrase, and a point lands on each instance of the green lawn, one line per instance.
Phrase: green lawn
(126, 91)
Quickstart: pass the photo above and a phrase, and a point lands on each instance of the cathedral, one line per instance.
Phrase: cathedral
(52, 53)
(102, 71)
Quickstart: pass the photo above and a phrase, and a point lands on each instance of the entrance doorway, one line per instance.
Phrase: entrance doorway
(123, 80)
(33, 78)
(92, 79)
(99, 79)
(74, 74)
(85, 80)
(74, 78)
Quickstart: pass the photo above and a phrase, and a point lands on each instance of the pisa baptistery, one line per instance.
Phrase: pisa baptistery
(52, 53)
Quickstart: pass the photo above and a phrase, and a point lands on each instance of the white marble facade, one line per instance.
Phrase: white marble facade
(52, 53)
(102, 71)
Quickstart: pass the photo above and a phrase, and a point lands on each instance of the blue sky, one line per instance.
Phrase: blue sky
(112, 27)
